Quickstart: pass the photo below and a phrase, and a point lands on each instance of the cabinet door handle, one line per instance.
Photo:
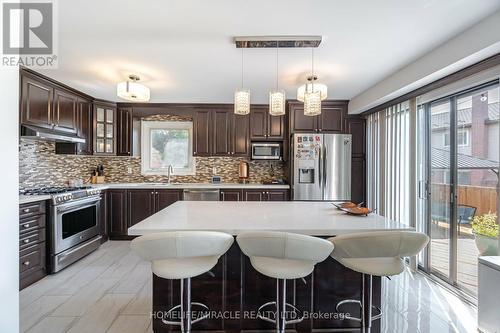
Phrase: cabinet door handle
(319, 130)
(26, 263)
(153, 192)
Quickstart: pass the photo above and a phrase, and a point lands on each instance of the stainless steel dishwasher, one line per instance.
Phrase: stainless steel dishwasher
(201, 194)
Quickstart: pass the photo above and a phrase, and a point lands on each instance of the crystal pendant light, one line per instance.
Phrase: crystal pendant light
(312, 103)
(312, 96)
(242, 96)
(323, 89)
(277, 97)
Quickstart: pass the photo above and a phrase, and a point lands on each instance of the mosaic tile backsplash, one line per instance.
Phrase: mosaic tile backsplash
(39, 165)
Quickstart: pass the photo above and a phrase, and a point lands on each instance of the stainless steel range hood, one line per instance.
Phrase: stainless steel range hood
(37, 133)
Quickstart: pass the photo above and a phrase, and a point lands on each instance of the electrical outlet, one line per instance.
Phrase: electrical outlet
(129, 170)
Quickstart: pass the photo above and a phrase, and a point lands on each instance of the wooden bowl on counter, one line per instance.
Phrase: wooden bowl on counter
(342, 205)
(360, 211)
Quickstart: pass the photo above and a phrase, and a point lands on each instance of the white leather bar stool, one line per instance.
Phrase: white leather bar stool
(378, 253)
(183, 255)
(283, 256)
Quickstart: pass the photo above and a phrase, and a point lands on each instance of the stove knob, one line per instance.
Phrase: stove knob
(65, 197)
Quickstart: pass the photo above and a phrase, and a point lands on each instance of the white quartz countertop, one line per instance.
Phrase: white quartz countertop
(24, 199)
(189, 185)
(234, 217)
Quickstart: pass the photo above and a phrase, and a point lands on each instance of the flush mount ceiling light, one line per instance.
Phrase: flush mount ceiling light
(313, 93)
(133, 91)
(277, 97)
(310, 86)
(242, 96)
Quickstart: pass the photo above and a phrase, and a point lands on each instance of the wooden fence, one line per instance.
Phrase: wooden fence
(483, 198)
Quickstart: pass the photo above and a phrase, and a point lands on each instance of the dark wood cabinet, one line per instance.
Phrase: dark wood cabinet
(32, 246)
(265, 194)
(356, 126)
(126, 207)
(231, 195)
(84, 130)
(165, 198)
(358, 180)
(222, 130)
(263, 126)
(104, 128)
(124, 132)
(230, 133)
(140, 205)
(331, 119)
(201, 133)
(103, 216)
(37, 98)
(117, 213)
(85, 116)
(65, 111)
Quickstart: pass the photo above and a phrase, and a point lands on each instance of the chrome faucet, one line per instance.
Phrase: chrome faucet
(169, 172)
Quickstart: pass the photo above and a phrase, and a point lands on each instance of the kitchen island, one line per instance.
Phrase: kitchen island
(235, 290)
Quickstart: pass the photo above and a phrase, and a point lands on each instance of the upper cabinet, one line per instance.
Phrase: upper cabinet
(124, 132)
(105, 129)
(65, 111)
(331, 119)
(201, 133)
(84, 127)
(37, 96)
(263, 126)
(230, 133)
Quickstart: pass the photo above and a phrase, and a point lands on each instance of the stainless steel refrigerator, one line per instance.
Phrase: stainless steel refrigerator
(322, 166)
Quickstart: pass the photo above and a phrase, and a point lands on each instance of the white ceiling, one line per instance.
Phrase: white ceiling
(183, 50)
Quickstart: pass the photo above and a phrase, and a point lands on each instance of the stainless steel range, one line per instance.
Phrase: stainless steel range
(73, 230)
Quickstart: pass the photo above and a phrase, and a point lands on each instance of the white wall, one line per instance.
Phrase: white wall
(473, 45)
(9, 201)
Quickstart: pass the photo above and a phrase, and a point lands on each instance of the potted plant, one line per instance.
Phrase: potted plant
(485, 229)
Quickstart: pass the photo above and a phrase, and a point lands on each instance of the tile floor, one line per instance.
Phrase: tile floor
(110, 291)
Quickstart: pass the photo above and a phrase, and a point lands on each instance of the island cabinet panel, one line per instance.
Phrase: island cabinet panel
(37, 98)
(65, 111)
(233, 285)
(265, 195)
(32, 222)
(202, 141)
(117, 212)
(231, 195)
(140, 205)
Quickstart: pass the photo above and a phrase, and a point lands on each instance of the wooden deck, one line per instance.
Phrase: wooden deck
(467, 261)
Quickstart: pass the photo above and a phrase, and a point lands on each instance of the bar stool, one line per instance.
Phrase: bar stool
(377, 253)
(183, 255)
(282, 256)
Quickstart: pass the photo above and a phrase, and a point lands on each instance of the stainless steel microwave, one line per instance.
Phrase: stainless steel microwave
(266, 151)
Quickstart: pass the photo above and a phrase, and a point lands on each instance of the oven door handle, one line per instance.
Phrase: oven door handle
(78, 204)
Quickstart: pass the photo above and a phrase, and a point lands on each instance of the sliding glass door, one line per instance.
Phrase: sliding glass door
(458, 188)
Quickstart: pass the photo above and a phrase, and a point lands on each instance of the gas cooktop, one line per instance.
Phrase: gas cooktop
(63, 194)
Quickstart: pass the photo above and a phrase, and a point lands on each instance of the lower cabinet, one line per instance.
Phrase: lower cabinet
(32, 257)
(231, 195)
(128, 207)
(265, 195)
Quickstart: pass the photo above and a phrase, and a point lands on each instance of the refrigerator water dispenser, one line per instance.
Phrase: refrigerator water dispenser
(306, 176)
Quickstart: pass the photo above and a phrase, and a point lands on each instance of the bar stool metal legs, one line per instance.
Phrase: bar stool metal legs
(281, 309)
(186, 313)
(365, 304)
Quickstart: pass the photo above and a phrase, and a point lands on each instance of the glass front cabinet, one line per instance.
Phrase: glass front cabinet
(105, 129)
